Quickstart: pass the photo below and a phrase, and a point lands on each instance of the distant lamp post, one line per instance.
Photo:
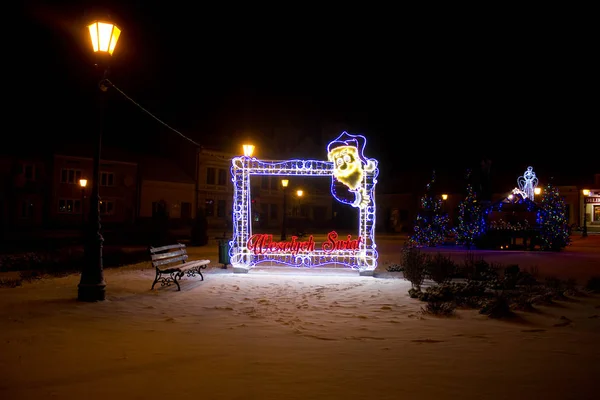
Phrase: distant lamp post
(299, 194)
(444, 197)
(284, 184)
(248, 150)
(104, 36)
(537, 191)
(82, 184)
(586, 193)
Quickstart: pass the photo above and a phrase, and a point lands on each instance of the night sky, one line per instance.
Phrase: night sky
(426, 91)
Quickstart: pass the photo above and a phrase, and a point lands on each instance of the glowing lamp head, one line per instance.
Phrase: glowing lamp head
(299, 193)
(537, 190)
(586, 192)
(248, 150)
(444, 197)
(83, 183)
(285, 183)
(104, 36)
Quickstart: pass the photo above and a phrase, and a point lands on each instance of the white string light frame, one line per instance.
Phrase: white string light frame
(361, 257)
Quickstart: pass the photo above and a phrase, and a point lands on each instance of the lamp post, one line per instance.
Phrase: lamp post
(82, 184)
(586, 193)
(92, 287)
(300, 193)
(284, 184)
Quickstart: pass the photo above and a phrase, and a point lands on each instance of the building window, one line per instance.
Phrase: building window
(210, 176)
(159, 209)
(29, 172)
(69, 206)
(107, 207)
(68, 175)
(221, 205)
(107, 179)
(222, 177)
(274, 211)
(596, 213)
(210, 208)
(26, 209)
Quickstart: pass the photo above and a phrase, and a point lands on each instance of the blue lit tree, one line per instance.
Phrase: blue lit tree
(552, 218)
(471, 223)
(431, 224)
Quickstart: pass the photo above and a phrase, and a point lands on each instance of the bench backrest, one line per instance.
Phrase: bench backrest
(165, 255)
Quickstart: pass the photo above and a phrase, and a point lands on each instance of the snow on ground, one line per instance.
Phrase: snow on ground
(284, 336)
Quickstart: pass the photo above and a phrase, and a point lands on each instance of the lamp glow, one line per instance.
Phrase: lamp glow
(248, 150)
(285, 182)
(299, 193)
(444, 197)
(537, 190)
(104, 36)
(586, 192)
(83, 183)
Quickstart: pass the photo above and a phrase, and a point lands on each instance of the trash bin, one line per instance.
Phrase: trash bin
(223, 251)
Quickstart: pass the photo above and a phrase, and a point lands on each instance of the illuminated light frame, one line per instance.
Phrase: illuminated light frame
(243, 259)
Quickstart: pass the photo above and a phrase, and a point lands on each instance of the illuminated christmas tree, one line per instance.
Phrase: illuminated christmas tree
(552, 218)
(431, 224)
(471, 223)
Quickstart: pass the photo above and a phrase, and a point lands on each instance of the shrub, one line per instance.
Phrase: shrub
(414, 263)
(441, 308)
(440, 268)
(497, 307)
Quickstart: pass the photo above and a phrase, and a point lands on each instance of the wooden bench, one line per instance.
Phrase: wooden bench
(171, 264)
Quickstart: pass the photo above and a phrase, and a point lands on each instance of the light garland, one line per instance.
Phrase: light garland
(353, 182)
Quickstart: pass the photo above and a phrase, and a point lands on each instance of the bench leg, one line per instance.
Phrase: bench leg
(155, 279)
(177, 275)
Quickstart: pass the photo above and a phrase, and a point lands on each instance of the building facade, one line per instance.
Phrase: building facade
(165, 190)
(69, 202)
(24, 188)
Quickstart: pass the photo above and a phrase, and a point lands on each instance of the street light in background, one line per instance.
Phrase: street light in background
(299, 194)
(104, 36)
(586, 193)
(82, 184)
(284, 184)
(537, 191)
(248, 150)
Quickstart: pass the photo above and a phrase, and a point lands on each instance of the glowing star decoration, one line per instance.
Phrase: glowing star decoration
(349, 163)
(353, 182)
(528, 182)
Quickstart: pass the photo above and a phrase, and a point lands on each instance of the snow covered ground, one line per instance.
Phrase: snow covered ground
(293, 336)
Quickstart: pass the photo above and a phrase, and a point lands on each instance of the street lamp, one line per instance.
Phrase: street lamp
(104, 36)
(248, 150)
(299, 193)
(82, 184)
(284, 184)
(586, 193)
